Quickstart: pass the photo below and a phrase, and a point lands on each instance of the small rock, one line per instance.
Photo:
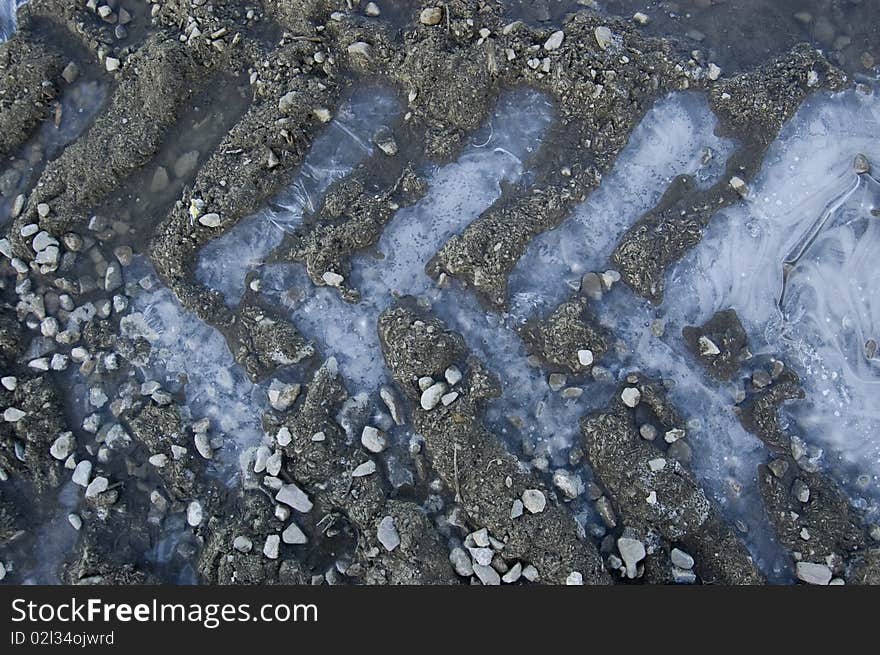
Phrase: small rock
(585, 357)
(482, 556)
(283, 437)
(82, 473)
(360, 49)
(461, 562)
(534, 500)
(708, 347)
(97, 486)
(194, 514)
(390, 399)
(657, 464)
(203, 445)
(113, 277)
(517, 509)
(431, 16)
(243, 544)
(739, 185)
(432, 395)
(568, 483)
(575, 578)
(270, 548)
(373, 440)
(632, 551)
(273, 464)
(604, 37)
(449, 398)
(372, 9)
(800, 490)
(641, 18)
(292, 496)
(287, 102)
(714, 72)
(480, 537)
(70, 72)
(555, 41)
(453, 375)
(365, 469)
(683, 576)
(63, 446)
(210, 220)
(387, 534)
(861, 164)
(673, 435)
(591, 286)
(293, 535)
(816, 574)
(487, 575)
(556, 381)
(631, 396)
(282, 395)
(111, 64)
(779, 467)
(13, 415)
(513, 574)
(681, 559)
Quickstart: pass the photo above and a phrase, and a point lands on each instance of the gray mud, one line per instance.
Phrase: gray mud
(329, 292)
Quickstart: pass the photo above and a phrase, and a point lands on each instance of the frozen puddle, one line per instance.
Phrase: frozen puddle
(224, 262)
(187, 354)
(457, 194)
(827, 324)
(808, 207)
(675, 137)
(8, 19)
(828, 309)
(79, 104)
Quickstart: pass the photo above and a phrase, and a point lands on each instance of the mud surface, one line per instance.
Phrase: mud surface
(336, 292)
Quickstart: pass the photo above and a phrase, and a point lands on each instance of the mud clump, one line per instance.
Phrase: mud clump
(720, 344)
(488, 481)
(569, 340)
(29, 81)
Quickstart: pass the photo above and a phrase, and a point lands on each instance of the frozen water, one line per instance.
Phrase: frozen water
(224, 262)
(809, 208)
(80, 104)
(827, 315)
(675, 137)
(8, 21)
(458, 193)
(187, 353)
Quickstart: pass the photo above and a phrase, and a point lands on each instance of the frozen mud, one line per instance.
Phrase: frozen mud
(419, 343)
(795, 261)
(676, 137)
(457, 193)
(77, 108)
(188, 355)
(345, 142)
